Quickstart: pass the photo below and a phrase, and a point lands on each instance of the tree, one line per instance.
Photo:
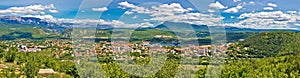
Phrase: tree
(10, 56)
(31, 69)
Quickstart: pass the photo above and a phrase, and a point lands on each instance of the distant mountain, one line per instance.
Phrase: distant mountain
(24, 20)
(181, 27)
(31, 21)
(236, 29)
(165, 26)
(19, 31)
(204, 28)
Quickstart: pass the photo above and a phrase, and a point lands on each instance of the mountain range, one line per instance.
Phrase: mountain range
(166, 25)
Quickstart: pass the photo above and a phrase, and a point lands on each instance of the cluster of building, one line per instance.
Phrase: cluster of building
(162, 36)
(59, 47)
(105, 48)
(148, 48)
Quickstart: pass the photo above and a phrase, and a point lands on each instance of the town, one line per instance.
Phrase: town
(64, 48)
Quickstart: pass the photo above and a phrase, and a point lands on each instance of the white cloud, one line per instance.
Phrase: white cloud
(251, 2)
(160, 10)
(128, 12)
(268, 8)
(191, 18)
(292, 12)
(134, 8)
(190, 9)
(272, 5)
(168, 9)
(237, 0)
(100, 9)
(210, 10)
(29, 10)
(233, 9)
(134, 17)
(43, 17)
(274, 19)
(236, 8)
(217, 5)
(239, 7)
(173, 12)
(92, 22)
(53, 11)
(231, 17)
(127, 5)
(276, 15)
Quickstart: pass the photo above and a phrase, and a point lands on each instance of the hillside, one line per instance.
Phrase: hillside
(19, 31)
(269, 44)
(23, 29)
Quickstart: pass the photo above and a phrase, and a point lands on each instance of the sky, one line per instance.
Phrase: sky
(135, 13)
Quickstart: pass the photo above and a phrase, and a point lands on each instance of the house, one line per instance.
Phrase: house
(241, 39)
(162, 36)
(45, 72)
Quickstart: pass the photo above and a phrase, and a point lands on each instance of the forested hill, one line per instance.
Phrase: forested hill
(265, 55)
(269, 44)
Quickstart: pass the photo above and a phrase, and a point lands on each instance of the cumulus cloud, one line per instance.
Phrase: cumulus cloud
(217, 5)
(128, 12)
(251, 2)
(237, 0)
(93, 22)
(191, 18)
(173, 12)
(159, 13)
(168, 9)
(210, 10)
(292, 12)
(134, 17)
(43, 17)
(100, 9)
(29, 10)
(127, 5)
(234, 9)
(274, 19)
(53, 11)
(276, 15)
(160, 10)
(268, 8)
(272, 5)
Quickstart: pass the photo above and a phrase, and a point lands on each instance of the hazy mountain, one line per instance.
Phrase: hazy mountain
(165, 26)
(203, 28)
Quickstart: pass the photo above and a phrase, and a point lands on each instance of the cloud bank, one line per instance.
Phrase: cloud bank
(29, 10)
(267, 17)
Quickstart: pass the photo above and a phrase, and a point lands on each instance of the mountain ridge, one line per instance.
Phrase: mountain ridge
(173, 25)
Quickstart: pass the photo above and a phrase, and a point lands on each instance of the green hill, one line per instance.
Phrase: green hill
(18, 31)
(269, 44)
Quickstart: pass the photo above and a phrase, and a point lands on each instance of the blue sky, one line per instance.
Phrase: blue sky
(239, 13)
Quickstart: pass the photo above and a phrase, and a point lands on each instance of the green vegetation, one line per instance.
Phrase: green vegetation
(270, 67)
(268, 44)
(20, 31)
(268, 54)
(28, 64)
